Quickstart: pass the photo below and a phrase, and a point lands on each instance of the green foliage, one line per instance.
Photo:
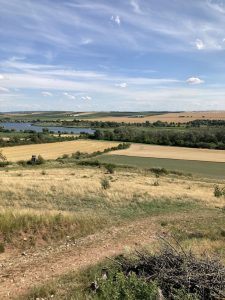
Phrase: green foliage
(4, 164)
(121, 287)
(92, 163)
(159, 171)
(105, 184)
(2, 248)
(219, 192)
(212, 138)
(22, 163)
(110, 168)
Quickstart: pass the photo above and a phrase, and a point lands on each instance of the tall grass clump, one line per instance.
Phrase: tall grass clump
(105, 184)
(219, 192)
(47, 225)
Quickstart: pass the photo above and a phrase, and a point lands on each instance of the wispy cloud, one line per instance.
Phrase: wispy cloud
(4, 90)
(136, 7)
(86, 98)
(194, 80)
(116, 19)
(69, 96)
(122, 84)
(47, 94)
(58, 49)
(199, 44)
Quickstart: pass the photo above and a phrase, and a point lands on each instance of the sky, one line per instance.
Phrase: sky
(112, 55)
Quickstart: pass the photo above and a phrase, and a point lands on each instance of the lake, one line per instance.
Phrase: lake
(29, 126)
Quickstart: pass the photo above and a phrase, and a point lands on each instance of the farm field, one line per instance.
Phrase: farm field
(198, 168)
(181, 117)
(54, 150)
(143, 150)
(63, 220)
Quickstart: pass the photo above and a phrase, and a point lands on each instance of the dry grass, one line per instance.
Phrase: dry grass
(182, 117)
(54, 150)
(80, 188)
(173, 153)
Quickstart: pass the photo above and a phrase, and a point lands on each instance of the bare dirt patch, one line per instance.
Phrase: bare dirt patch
(20, 273)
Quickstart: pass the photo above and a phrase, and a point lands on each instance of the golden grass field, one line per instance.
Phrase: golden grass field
(64, 220)
(156, 151)
(182, 117)
(22, 189)
(54, 150)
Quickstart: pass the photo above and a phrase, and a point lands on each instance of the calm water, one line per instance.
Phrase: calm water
(28, 126)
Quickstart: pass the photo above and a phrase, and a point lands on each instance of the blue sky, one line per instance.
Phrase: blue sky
(98, 55)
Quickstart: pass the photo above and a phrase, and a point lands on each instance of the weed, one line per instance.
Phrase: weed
(2, 248)
(156, 183)
(110, 168)
(105, 184)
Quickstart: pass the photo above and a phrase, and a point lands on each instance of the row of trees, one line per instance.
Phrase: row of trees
(35, 138)
(201, 138)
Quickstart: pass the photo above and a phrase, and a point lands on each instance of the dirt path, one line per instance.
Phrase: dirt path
(19, 273)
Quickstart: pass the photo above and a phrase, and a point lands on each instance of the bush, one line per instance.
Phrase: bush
(105, 183)
(2, 248)
(92, 163)
(4, 164)
(179, 274)
(219, 192)
(110, 168)
(22, 163)
(121, 287)
(159, 171)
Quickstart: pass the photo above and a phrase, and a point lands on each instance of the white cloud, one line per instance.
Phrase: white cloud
(86, 98)
(3, 90)
(136, 6)
(1, 76)
(122, 85)
(69, 96)
(194, 80)
(86, 41)
(116, 19)
(47, 94)
(199, 44)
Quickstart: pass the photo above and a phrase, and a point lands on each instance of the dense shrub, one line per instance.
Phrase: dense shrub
(121, 287)
(212, 138)
(219, 192)
(110, 168)
(105, 184)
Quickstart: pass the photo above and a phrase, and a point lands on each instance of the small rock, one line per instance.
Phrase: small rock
(24, 253)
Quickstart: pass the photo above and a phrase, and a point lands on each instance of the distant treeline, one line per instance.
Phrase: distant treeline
(202, 138)
(35, 138)
(112, 124)
(109, 124)
(209, 123)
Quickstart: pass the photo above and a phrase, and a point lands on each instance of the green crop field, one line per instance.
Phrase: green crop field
(199, 168)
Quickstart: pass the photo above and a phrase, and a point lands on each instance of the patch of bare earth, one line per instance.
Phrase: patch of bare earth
(22, 271)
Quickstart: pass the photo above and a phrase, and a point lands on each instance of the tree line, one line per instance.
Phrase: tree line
(202, 138)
